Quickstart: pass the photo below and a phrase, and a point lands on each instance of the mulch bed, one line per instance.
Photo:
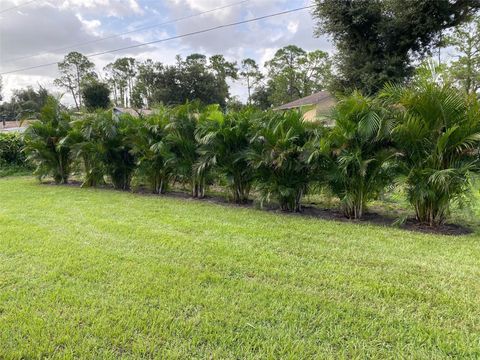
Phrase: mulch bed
(411, 224)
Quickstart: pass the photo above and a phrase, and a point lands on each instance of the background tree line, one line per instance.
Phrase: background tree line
(376, 42)
(291, 73)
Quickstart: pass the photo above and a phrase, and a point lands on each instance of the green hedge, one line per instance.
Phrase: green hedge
(424, 136)
(11, 153)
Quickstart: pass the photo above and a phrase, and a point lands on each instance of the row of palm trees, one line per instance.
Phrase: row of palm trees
(424, 136)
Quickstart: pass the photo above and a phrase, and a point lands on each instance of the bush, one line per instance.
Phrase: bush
(438, 132)
(104, 145)
(11, 150)
(277, 155)
(427, 133)
(183, 144)
(152, 149)
(116, 138)
(44, 143)
(361, 159)
(87, 148)
(224, 141)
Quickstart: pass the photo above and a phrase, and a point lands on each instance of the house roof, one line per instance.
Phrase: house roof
(133, 112)
(313, 99)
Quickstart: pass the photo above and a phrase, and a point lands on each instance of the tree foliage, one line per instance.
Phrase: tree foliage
(96, 95)
(75, 70)
(251, 75)
(295, 73)
(24, 103)
(465, 70)
(194, 78)
(121, 77)
(376, 39)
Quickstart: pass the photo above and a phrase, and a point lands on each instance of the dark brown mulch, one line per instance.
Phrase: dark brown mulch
(445, 229)
(410, 224)
(373, 218)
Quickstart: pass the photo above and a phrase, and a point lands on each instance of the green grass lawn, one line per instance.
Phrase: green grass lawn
(88, 273)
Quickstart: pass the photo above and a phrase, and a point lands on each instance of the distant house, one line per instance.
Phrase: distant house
(117, 111)
(13, 125)
(315, 107)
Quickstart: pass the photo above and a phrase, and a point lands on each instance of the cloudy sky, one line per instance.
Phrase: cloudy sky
(43, 31)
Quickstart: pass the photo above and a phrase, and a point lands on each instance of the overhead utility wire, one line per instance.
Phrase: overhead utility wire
(170, 38)
(127, 32)
(17, 6)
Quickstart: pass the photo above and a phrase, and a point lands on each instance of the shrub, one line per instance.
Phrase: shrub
(44, 145)
(181, 139)
(223, 144)
(438, 131)
(116, 138)
(155, 159)
(362, 160)
(277, 155)
(87, 147)
(11, 150)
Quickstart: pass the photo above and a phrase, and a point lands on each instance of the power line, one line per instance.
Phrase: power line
(17, 6)
(170, 38)
(128, 32)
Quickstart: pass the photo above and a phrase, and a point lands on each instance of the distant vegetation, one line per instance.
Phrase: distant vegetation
(12, 156)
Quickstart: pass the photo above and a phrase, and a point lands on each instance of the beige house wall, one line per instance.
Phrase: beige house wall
(319, 112)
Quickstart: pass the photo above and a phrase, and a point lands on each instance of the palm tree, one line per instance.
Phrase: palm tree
(181, 139)
(278, 158)
(223, 144)
(44, 145)
(438, 131)
(86, 144)
(155, 160)
(117, 134)
(362, 160)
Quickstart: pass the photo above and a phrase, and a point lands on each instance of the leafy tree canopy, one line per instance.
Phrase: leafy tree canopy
(466, 68)
(376, 39)
(294, 73)
(96, 95)
(24, 103)
(251, 75)
(194, 78)
(75, 70)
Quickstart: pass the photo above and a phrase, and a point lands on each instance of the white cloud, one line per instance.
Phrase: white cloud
(116, 8)
(266, 54)
(292, 26)
(90, 26)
